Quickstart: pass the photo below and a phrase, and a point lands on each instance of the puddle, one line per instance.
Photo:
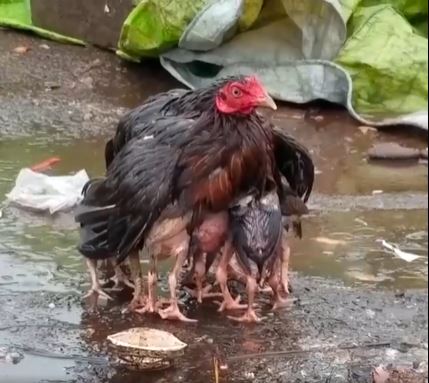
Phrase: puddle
(38, 252)
(35, 369)
(344, 246)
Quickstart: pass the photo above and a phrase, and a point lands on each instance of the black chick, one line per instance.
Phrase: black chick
(256, 237)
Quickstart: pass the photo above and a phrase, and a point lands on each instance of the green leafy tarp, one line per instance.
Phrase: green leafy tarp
(370, 56)
(17, 14)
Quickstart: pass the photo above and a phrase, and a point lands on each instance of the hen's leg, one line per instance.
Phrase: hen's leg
(96, 289)
(173, 311)
(137, 277)
(222, 277)
(250, 315)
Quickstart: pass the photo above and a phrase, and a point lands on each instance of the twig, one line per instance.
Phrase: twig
(216, 369)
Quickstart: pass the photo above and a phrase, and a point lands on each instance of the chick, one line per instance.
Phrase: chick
(256, 242)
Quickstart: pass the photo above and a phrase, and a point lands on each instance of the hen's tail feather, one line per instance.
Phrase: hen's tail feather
(131, 236)
(94, 221)
(109, 153)
(91, 215)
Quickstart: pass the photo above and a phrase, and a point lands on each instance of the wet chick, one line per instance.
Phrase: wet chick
(256, 239)
(169, 239)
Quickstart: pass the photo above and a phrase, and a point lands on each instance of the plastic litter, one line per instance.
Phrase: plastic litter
(408, 257)
(40, 192)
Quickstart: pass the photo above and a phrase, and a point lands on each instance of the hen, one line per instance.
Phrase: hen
(160, 167)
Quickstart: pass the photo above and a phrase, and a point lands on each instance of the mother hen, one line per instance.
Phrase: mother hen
(187, 151)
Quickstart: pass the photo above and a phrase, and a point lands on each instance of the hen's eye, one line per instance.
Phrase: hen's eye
(236, 92)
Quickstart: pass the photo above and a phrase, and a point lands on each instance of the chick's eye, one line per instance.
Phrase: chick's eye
(236, 92)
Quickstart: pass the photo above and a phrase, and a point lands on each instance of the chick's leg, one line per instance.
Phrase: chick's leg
(173, 311)
(96, 289)
(250, 315)
(201, 292)
(137, 277)
(120, 278)
(222, 277)
(151, 305)
(276, 283)
(285, 265)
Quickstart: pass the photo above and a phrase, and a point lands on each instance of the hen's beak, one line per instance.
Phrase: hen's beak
(268, 102)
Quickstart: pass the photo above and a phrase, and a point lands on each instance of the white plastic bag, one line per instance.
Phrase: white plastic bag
(40, 192)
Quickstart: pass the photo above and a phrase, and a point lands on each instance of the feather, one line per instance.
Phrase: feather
(294, 162)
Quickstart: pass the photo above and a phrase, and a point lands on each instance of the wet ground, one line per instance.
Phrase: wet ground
(356, 305)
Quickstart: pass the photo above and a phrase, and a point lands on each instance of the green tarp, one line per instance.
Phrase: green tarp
(367, 57)
(387, 61)
(17, 14)
(370, 56)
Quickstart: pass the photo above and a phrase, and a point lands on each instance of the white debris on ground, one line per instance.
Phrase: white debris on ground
(40, 192)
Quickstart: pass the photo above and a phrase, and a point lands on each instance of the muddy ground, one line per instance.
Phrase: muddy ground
(353, 306)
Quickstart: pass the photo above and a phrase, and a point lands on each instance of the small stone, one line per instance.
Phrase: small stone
(51, 306)
(21, 50)
(366, 129)
(375, 192)
(52, 85)
(392, 151)
(13, 357)
(370, 313)
(88, 81)
(44, 46)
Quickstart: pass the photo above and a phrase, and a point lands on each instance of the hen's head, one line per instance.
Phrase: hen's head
(243, 96)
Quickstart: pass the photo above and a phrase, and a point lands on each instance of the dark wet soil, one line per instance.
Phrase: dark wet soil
(355, 306)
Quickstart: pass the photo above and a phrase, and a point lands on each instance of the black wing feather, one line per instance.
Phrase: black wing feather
(137, 188)
(141, 121)
(294, 162)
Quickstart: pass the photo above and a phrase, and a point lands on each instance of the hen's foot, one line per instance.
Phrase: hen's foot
(137, 302)
(202, 294)
(173, 313)
(151, 306)
(96, 291)
(249, 316)
(266, 290)
(120, 280)
(280, 302)
(231, 304)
